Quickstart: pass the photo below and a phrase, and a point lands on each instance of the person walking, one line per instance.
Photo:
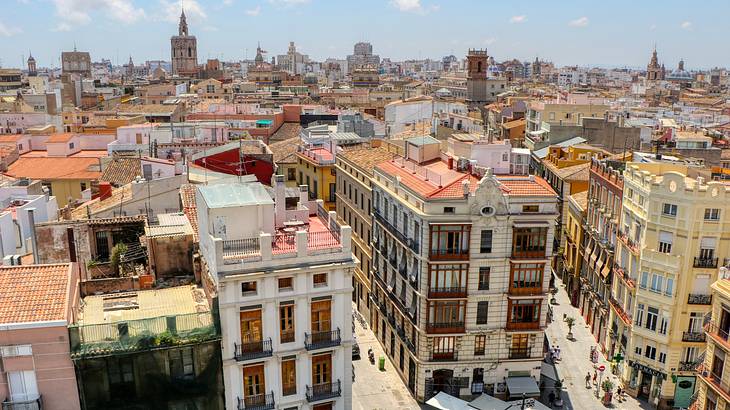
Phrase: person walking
(595, 376)
(588, 380)
(557, 352)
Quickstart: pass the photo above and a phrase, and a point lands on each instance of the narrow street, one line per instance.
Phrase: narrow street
(575, 362)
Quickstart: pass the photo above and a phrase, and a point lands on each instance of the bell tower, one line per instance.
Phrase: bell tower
(476, 75)
(184, 50)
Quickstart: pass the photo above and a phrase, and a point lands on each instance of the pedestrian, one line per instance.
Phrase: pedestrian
(595, 376)
(588, 380)
(551, 398)
(557, 352)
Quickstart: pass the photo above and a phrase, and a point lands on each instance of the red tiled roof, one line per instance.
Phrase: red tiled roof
(34, 293)
(190, 207)
(524, 186)
(55, 168)
(65, 137)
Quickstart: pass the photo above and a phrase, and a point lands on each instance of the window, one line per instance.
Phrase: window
(286, 322)
(530, 209)
(291, 174)
(181, 364)
(652, 315)
(482, 312)
(669, 290)
(23, 386)
(16, 350)
(70, 145)
(248, 288)
(644, 280)
(526, 275)
(663, 325)
(639, 314)
(449, 210)
(650, 352)
(707, 248)
(289, 376)
(83, 186)
(662, 357)
(480, 342)
(450, 241)
(485, 245)
(447, 278)
(665, 242)
(443, 347)
(657, 283)
(529, 242)
(446, 313)
(712, 214)
(484, 272)
(524, 310)
(669, 210)
(286, 283)
(319, 280)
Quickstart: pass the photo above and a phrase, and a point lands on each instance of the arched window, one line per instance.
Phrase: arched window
(479, 66)
(190, 52)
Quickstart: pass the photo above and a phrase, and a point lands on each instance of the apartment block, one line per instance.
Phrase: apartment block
(461, 271)
(284, 279)
(670, 244)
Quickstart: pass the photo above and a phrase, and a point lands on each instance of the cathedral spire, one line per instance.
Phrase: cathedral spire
(183, 26)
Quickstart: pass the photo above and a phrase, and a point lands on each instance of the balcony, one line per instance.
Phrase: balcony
(446, 327)
(699, 299)
(524, 290)
(409, 344)
(287, 336)
(522, 325)
(714, 381)
(321, 340)
(35, 404)
(705, 263)
(323, 391)
(449, 254)
(625, 317)
(624, 276)
(447, 292)
(451, 356)
(410, 243)
(718, 334)
(95, 340)
(519, 352)
(529, 254)
(252, 350)
(257, 402)
(694, 337)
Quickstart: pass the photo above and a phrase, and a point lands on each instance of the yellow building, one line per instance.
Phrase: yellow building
(573, 250)
(713, 368)
(286, 160)
(672, 235)
(316, 169)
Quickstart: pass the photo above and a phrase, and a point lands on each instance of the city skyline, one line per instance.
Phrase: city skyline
(572, 34)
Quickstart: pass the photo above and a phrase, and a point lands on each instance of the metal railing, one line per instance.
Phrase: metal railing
(257, 402)
(241, 248)
(451, 356)
(448, 254)
(447, 292)
(321, 340)
(323, 239)
(287, 336)
(698, 337)
(34, 404)
(715, 330)
(323, 391)
(410, 243)
(705, 263)
(445, 327)
(699, 299)
(252, 350)
(284, 242)
(519, 352)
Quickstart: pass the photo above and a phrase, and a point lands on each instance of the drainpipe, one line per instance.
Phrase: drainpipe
(33, 238)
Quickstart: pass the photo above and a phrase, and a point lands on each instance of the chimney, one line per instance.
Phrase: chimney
(279, 194)
(33, 238)
(451, 162)
(303, 194)
(465, 185)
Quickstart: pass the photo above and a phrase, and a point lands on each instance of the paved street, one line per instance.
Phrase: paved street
(575, 362)
(373, 389)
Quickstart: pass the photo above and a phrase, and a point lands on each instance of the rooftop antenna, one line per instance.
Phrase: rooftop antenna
(74, 45)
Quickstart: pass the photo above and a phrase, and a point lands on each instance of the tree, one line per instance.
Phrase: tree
(117, 251)
(570, 321)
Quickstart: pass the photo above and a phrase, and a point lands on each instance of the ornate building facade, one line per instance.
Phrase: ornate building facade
(184, 50)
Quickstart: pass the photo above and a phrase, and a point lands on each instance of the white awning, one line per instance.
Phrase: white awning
(443, 401)
(516, 386)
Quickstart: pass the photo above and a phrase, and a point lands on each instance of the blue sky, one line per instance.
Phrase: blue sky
(588, 32)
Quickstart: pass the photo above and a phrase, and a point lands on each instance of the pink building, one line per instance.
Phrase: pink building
(37, 303)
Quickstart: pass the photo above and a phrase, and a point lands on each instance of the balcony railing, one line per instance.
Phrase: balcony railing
(241, 248)
(141, 334)
(257, 402)
(253, 350)
(287, 336)
(525, 290)
(716, 332)
(699, 299)
(523, 325)
(409, 344)
(449, 254)
(447, 292)
(698, 337)
(705, 263)
(451, 356)
(528, 254)
(445, 327)
(410, 243)
(625, 317)
(323, 391)
(34, 404)
(519, 352)
(321, 340)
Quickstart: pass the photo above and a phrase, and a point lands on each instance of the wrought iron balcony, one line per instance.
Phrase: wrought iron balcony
(450, 356)
(410, 243)
(409, 344)
(445, 327)
(323, 391)
(252, 350)
(448, 292)
(699, 299)
(321, 340)
(705, 263)
(698, 337)
(519, 352)
(34, 404)
(257, 402)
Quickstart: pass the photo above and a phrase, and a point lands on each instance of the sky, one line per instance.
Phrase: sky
(616, 33)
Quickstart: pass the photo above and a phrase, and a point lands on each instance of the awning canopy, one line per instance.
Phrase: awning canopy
(443, 401)
(516, 386)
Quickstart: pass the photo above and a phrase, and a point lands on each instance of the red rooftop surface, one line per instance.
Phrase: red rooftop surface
(37, 293)
(320, 156)
(434, 179)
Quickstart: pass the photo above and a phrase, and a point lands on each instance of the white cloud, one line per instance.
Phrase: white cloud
(407, 5)
(170, 11)
(8, 31)
(288, 3)
(254, 11)
(78, 12)
(579, 22)
(518, 19)
(686, 25)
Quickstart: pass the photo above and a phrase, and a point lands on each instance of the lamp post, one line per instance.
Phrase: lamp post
(601, 368)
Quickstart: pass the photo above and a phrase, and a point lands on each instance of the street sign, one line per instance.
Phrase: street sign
(601, 368)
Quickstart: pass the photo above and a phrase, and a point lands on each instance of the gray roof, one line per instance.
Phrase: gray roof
(235, 194)
(423, 140)
(543, 152)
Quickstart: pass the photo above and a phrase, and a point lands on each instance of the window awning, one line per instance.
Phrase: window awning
(516, 386)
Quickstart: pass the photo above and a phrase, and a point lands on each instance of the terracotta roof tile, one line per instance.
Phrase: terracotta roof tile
(65, 137)
(189, 206)
(524, 186)
(55, 168)
(121, 171)
(367, 157)
(34, 293)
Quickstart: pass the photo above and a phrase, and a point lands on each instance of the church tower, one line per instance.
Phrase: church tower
(184, 50)
(654, 71)
(476, 75)
(32, 70)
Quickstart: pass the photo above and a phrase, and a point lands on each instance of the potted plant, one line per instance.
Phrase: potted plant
(570, 321)
(607, 387)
